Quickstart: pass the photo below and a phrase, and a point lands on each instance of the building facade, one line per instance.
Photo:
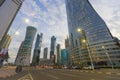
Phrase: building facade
(24, 53)
(8, 11)
(91, 42)
(5, 42)
(65, 57)
(45, 53)
(58, 49)
(37, 49)
(67, 43)
(53, 48)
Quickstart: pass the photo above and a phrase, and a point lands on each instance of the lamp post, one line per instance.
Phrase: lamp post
(108, 57)
(85, 41)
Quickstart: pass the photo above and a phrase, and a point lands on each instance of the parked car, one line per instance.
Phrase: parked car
(88, 68)
(76, 67)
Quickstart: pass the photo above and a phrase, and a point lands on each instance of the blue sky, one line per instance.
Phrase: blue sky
(49, 17)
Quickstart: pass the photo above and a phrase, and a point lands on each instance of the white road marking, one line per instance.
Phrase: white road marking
(26, 77)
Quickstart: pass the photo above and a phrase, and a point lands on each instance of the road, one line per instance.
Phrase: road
(62, 74)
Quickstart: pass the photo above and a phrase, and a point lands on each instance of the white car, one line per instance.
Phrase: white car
(88, 67)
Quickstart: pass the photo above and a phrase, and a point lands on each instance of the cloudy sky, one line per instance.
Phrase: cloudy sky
(49, 17)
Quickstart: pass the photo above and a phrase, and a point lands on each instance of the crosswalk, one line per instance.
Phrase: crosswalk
(26, 77)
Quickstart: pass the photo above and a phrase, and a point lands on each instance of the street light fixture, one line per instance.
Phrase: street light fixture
(108, 57)
(84, 41)
(26, 20)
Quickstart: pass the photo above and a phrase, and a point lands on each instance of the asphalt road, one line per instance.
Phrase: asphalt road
(60, 74)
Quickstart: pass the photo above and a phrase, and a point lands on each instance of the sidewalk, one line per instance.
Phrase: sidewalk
(7, 71)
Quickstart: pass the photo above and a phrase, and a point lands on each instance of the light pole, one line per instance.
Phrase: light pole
(108, 57)
(85, 41)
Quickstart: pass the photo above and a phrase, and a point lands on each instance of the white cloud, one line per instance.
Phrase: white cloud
(109, 10)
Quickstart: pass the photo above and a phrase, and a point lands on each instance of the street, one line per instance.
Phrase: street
(62, 74)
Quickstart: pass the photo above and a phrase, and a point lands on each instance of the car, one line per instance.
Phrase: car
(87, 67)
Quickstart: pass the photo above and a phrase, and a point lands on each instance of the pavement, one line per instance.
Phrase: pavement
(65, 74)
(7, 71)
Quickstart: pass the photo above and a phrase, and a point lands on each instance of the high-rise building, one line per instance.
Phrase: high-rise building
(65, 57)
(37, 50)
(58, 49)
(8, 11)
(6, 42)
(24, 53)
(67, 48)
(67, 43)
(90, 39)
(52, 47)
(53, 50)
(45, 53)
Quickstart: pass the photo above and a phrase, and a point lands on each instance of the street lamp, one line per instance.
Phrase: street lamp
(108, 57)
(85, 41)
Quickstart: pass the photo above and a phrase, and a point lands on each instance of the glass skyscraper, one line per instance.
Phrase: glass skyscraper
(52, 47)
(90, 38)
(45, 53)
(24, 52)
(53, 50)
(58, 53)
(37, 50)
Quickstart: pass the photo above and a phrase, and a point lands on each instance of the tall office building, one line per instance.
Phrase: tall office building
(65, 57)
(6, 42)
(37, 50)
(53, 50)
(58, 49)
(90, 39)
(52, 47)
(45, 53)
(24, 53)
(8, 11)
(67, 48)
(67, 43)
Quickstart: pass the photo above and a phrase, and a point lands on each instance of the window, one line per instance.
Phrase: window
(1, 2)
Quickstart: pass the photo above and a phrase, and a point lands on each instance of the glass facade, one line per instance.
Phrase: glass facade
(53, 46)
(26, 47)
(81, 15)
(37, 50)
(65, 57)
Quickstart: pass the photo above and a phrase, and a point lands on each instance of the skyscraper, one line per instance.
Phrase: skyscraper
(58, 54)
(67, 43)
(90, 35)
(37, 50)
(7, 15)
(52, 47)
(53, 50)
(6, 42)
(45, 53)
(65, 57)
(24, 52)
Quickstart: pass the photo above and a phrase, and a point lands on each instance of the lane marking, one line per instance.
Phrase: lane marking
(26, 77)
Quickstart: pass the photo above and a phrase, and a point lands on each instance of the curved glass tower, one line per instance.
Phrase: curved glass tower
(24, 53)
(90, 38)
(37, 50)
